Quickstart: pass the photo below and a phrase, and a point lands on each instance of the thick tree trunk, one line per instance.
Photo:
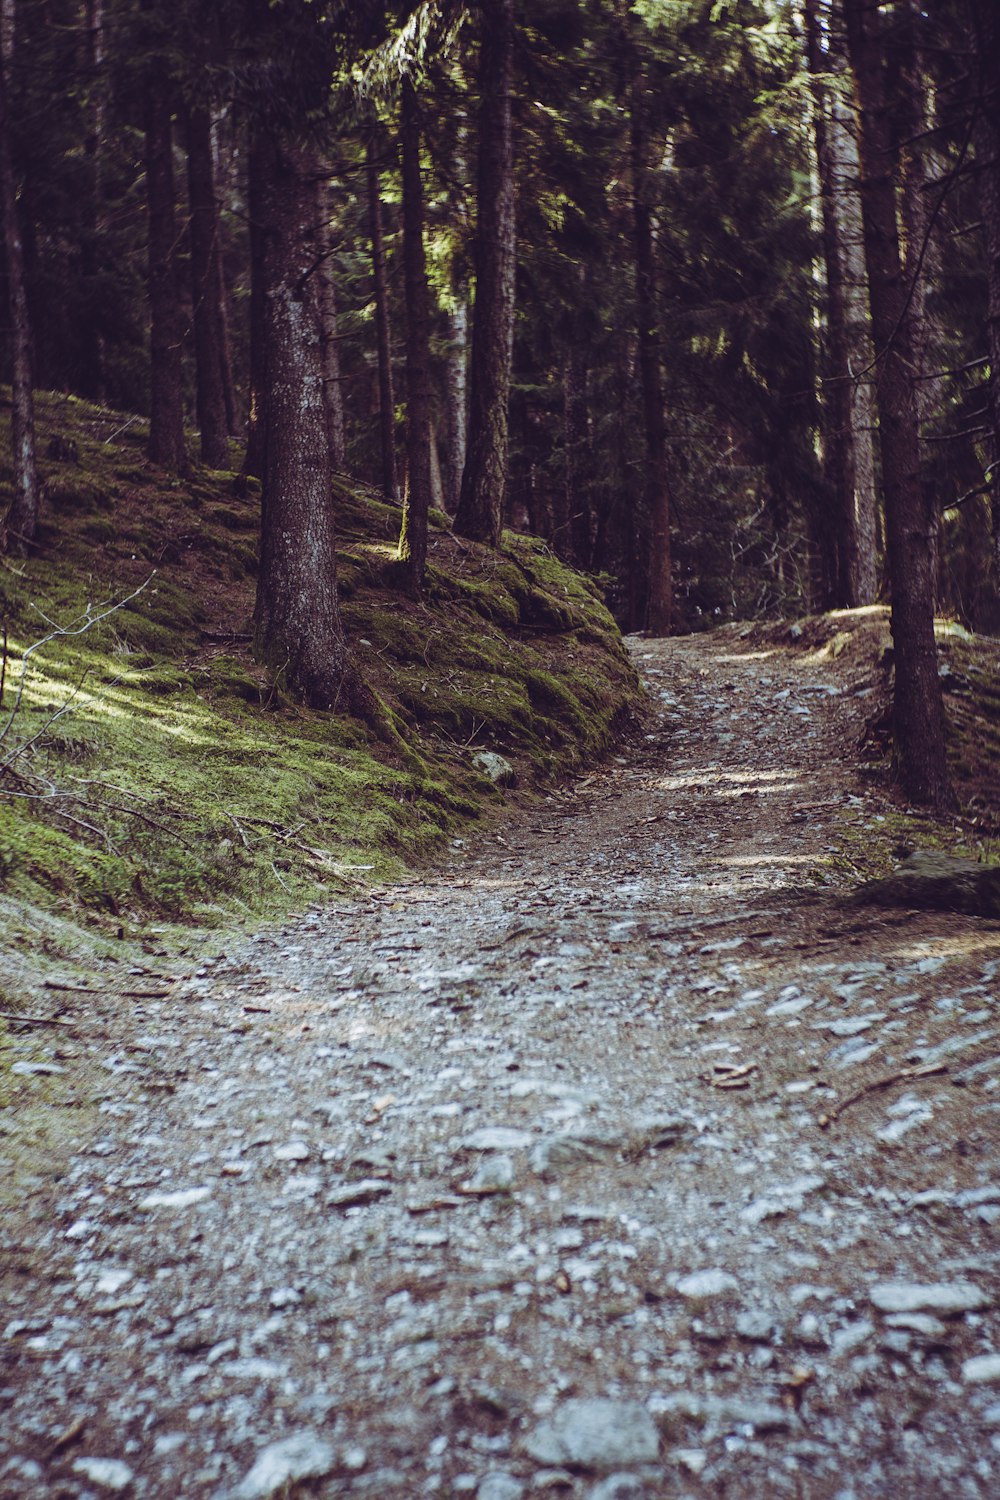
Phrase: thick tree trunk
(417, 501)
(918, 708)
(484, 479)
(22, 518)
(386, 398)
(332, 390)
(660, 606)
(206, 283)
(986, 141)
(166, 393)
(253, 463)
(297, 626)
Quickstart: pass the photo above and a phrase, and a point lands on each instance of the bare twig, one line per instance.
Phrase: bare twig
(13, 1015)
(902, 1075)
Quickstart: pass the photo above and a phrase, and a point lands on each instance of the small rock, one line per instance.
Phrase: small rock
(500, 1486)
(851, 1337)
(982, 1369)
(496, 767)
(356, 1194)
(712, 1283)
(107, 1473)
(618, 1487)
(942, 1297)
(182, 1199)
(494, 1175)
(304, 1455)
(498, 1138)
(595, 1433)
(292, 1151)
(561, 1152)
(756, 1326)
(922, 1323)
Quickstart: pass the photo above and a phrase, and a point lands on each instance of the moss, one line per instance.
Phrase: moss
(187, 788)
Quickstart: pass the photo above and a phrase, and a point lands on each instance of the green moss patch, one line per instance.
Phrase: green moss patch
(150, 770)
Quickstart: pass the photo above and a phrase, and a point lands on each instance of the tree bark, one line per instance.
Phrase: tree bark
(166, 410)
(918, 708)
(91, 243)
(253, 462)
(387, 404)
(838, 449)
(297, 626)
(417, 500)
(206, 284)
(21, 520)
(484, 479)
(333, 393)
(986, 142)
(659, 612)
(457, 386)
(575, 435)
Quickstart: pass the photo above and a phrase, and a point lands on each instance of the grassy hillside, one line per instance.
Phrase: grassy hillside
(151, 774)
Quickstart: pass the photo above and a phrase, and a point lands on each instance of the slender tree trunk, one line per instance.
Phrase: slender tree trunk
(918, 708)
(297, 626)
(387, 403)
(838, 447)
(332, 389)
(206, 282)
(575, 435)
(660, 607)
(253, 463)
(864, 560)
(92, 150)
(222, 167)
(484, 479)
(456, 378)
(166, 409)
(22, 518)
(417, 501)
(986, 141)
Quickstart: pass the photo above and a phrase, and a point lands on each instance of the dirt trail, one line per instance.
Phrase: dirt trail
(510, 1181)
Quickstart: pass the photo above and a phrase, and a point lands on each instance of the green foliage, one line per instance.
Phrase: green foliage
(150, 770)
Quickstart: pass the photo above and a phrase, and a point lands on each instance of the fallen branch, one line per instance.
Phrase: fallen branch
(13, 1015)
(902, 1075)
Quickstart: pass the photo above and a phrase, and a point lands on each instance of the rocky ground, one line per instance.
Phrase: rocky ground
(616, 1160)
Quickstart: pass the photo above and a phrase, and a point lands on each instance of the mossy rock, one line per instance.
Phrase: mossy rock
(932, 881)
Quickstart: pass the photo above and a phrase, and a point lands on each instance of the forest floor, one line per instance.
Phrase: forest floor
(513, 1179)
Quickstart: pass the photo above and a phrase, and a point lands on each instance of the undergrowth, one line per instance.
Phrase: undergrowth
(151, 774)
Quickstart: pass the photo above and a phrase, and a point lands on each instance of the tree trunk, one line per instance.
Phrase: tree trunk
(417, 501)
(253, 463)
(166, 408)
(863, 562)
(838, 448)
(484, 479)
(206, 283)
(297, 625)
(22, 518)
(456, 379)
(386, 399)
(918, 708)
(660, 607)
(91, 244)
(575, 435)
(332, 390)
(986, 141)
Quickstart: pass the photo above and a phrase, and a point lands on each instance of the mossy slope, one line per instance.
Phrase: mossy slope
(150, 772)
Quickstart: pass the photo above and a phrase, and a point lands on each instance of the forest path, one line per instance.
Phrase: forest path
(509, 1181)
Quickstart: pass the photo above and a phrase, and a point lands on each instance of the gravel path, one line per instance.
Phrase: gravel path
(511, 1181)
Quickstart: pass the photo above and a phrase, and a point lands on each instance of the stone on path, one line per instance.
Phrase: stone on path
(982, 1369)
(107, 1473)
(595, 1433)
(937, 882)
(304, 1455)
(938, 1296)
(711, 1283)
(181, 1199)
(500, 1486)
